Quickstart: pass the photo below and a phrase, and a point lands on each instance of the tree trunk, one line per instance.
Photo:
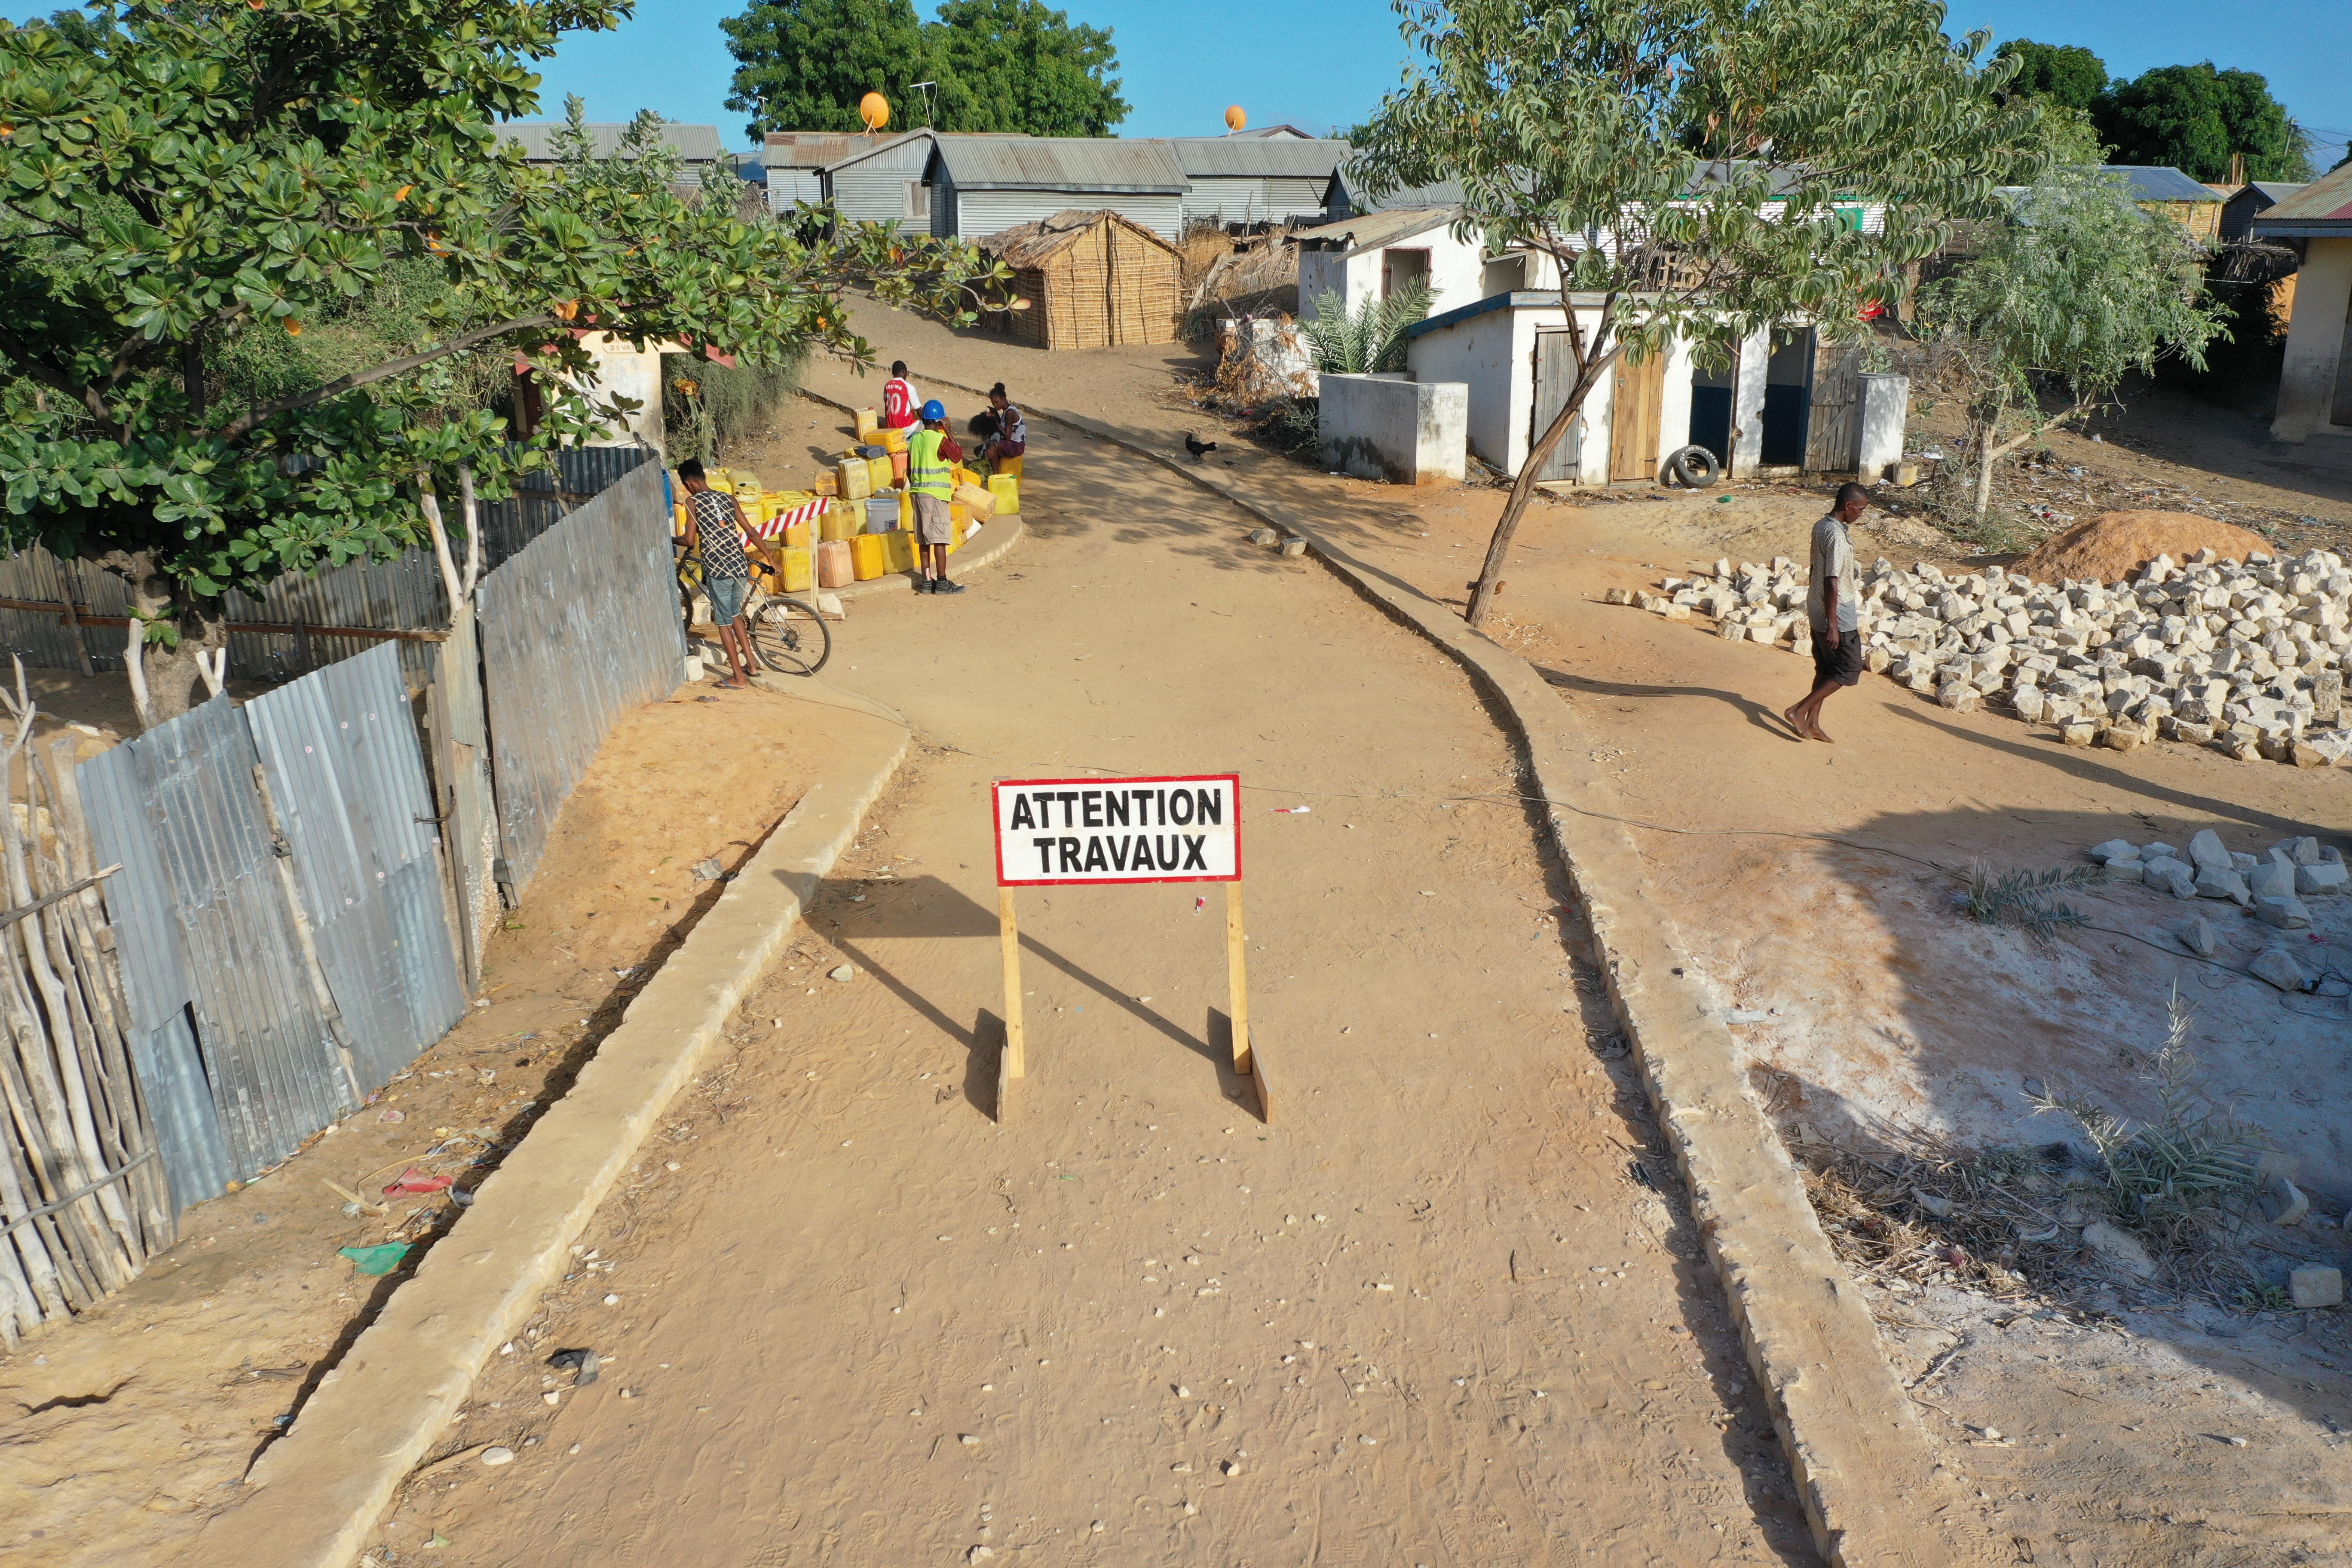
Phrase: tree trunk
(1986, 457)
(172, 669)
(1594, 355)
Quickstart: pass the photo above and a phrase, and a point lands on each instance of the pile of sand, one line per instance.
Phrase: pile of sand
(2114, 545)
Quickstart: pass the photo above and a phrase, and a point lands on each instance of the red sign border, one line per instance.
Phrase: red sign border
(996, 814)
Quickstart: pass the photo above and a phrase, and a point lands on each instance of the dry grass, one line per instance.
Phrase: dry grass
(2001, 1222)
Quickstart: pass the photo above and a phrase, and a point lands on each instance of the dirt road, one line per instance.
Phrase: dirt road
(1440, 1312)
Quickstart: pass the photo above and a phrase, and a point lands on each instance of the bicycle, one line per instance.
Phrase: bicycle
(788, 635)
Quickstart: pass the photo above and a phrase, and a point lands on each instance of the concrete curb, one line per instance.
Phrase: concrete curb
(992, 551)
(1872, 1486)
(316, 1494)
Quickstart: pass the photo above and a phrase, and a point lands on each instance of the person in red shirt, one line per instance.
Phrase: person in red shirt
(899, 399)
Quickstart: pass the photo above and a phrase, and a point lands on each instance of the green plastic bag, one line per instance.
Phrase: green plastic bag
(381, 1260)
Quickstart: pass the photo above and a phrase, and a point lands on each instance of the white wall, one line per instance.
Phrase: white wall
(1748, 404)
(2314, 341)
(629, 372)
(1457, 271)
(1483, 353)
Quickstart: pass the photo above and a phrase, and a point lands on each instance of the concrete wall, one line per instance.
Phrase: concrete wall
(2315, 341)
(1886, 411)
(1748, 404)
(1484, 352)
(1406, 432)
(630, 372)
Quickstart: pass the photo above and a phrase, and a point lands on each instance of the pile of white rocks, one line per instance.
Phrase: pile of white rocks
(2250, 657)
(2272, 888)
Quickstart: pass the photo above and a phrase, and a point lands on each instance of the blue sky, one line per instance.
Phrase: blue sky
(1320, 63)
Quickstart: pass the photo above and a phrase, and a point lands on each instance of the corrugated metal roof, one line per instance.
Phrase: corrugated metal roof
(2326, 201)
(807, 149)
(694, 144)
(1368, 229)
(2271, 190)
(2160, 182)
(1061, 163)
(1444, 193)
(1239, 157)
(866, 148)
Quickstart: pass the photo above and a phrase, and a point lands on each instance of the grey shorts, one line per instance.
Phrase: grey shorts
(932, 520)
(727, 595)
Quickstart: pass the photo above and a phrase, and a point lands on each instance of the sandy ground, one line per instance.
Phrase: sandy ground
(1888, 1015)
(1439, 1311)
(127, 1427)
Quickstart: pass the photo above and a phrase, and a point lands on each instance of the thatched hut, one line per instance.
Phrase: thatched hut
(1092, 279)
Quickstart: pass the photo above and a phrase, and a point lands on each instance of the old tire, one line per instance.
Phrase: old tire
(1694, 466)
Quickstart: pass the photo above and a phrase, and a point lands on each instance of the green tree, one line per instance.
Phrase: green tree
(2196, 118)
(804, 65)
(1690, 166)
(2077, 289)
(200, 183)
(2061, 73)
(1017, 65)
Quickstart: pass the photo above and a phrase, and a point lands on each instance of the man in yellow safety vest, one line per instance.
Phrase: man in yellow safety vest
(928, 481)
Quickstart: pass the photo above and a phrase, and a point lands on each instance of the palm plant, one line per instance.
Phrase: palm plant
(1369, 339)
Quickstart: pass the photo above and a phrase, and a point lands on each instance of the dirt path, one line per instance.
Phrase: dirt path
(1884, 1015)
(1439, 1312)
(126, 1427)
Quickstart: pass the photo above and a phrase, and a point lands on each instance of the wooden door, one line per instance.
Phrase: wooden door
(1633, 413)
(1834, 423)
(1555, 377)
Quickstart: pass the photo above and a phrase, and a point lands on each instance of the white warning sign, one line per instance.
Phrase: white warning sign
(1051, 831)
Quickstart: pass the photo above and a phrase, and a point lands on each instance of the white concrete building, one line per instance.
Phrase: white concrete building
(2315, 383)
(1372, 256)
(1787, 402)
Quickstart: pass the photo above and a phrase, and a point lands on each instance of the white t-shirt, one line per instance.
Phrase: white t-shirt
(1832, 557)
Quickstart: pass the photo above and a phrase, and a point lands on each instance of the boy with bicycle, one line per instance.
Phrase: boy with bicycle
(716, 532)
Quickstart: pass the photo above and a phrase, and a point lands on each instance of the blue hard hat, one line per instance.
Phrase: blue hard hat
(935, 409)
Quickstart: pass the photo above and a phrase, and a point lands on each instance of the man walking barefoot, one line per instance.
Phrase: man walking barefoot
(1833, 608)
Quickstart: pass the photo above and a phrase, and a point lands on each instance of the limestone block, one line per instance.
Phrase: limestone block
(2278, 966)
(2207, 850)
(2172, 877)
(2284, 912)
(2321, 877)
(2198, 937)
(2114, 849)
(2317, 1286)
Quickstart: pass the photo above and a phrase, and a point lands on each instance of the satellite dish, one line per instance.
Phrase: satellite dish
(1235, 118)
(874, 109)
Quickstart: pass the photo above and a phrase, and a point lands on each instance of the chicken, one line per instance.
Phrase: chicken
(1197, 449)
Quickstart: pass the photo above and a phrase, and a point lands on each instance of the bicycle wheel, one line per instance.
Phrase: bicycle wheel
(791, 637)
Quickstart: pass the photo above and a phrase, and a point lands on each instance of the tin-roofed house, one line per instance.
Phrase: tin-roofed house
(2315, 382)
(796, 161)
(1093, 279)
(986, 184)
(2166, 191)
(1241, 181)
(880, 180)
(2247, 203)
(1372, 256)
(697, 146)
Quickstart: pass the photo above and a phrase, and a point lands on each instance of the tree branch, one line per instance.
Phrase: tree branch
(237, 428)
(13, 347)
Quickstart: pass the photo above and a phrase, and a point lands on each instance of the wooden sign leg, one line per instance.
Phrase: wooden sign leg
(1237, 980)
(1015, 1063)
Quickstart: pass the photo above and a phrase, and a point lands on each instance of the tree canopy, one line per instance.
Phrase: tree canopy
(1018, 65)
(2195, 118)
(2077, 289)
(2063, 73)
(1694, 167)
(996, 65)
(188, 186)
(804, 65)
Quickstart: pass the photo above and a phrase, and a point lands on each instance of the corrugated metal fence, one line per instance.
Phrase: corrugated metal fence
(277, 1014)
(577, 628)
(292, 921)
(401, 594)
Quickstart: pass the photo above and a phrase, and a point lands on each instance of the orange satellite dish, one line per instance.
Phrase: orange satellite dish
(874, 109)
(1235, 118)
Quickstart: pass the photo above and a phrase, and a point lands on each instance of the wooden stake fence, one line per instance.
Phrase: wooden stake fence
(83, 1198)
